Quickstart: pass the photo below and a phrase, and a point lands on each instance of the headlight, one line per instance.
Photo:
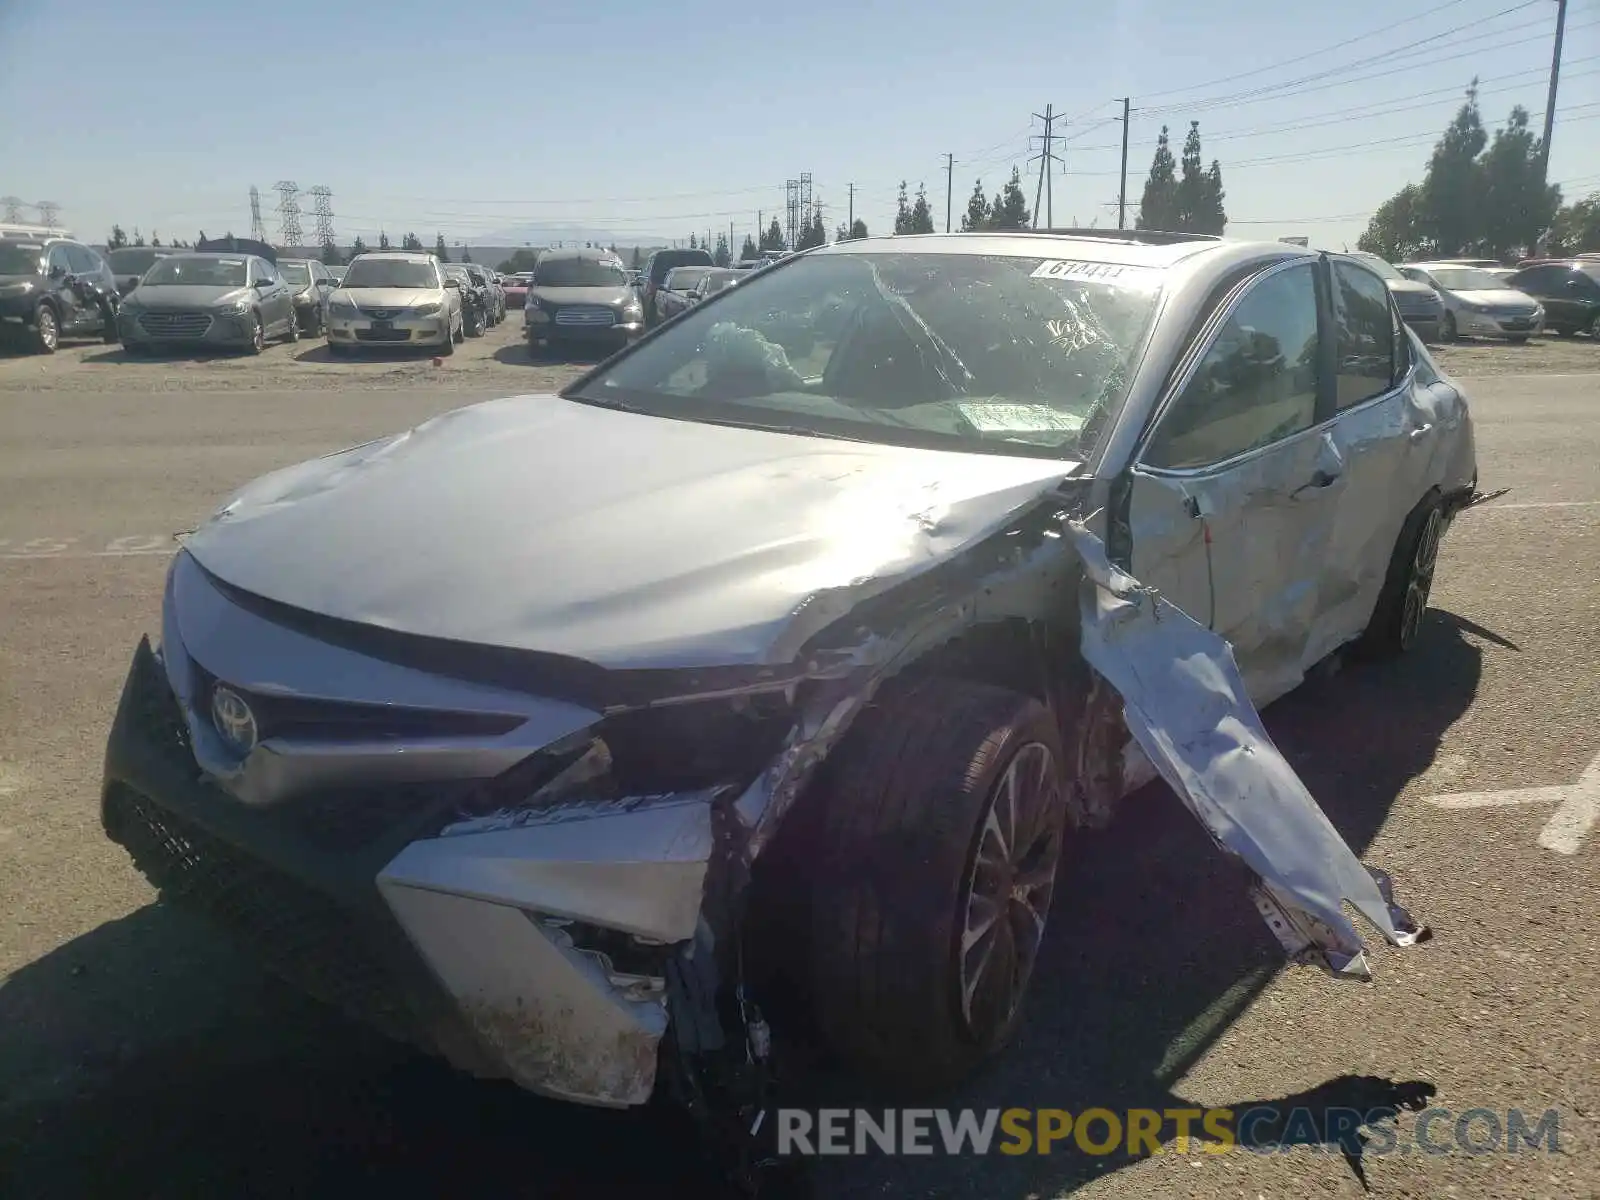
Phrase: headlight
(632, 309)
(347, 311)
(426, 310)
(236, 307)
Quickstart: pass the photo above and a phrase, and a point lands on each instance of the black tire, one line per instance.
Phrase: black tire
(904, 806)
(449, 346)
(472, 327)
(1447, 328)
(46, 329)
(258, 335)
(291, 335)
(1562, 331)
(1403, 603)
(1594, 327)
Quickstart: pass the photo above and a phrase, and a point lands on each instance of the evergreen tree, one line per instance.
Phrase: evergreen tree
(440, 250)
(466, 255)
(357, 247)
(383, 240)
(614, 250)
(1451, 203)
(1158, 208)
(1214, 217)
(858, 230)
(721, 255)
(1010, 207)
(1191, 182)
(330, 254)
(1576, 228)
(411, 242)
(1518, 206)
(747, 251)
(814, 234)
(138, 238)
(921, 214)
(693, 243)
(977, 215)
(773, 238)
(902, 211)
(117, 240)
(637, 263)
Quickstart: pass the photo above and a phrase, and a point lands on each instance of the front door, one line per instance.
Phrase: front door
(1236, 488)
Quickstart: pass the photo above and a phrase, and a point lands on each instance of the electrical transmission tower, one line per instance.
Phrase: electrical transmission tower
(288, 211)
(806, 211)
(13, 208)
(258, 227)
(323, 208)
(49, 210)
(791, 208)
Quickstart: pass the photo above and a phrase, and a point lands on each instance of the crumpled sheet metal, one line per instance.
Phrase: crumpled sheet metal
(1187, 707)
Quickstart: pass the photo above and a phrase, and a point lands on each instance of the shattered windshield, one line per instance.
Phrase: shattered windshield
(1023, 355)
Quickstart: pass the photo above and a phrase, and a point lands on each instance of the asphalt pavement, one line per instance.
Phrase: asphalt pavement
(141, 1057)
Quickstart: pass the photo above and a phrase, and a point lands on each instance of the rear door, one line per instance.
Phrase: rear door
(1236, 487)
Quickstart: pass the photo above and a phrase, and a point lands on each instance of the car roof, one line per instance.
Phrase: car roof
(420, 256)
(578, 252)
(1137, 248)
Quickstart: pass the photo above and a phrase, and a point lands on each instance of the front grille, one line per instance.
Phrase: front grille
(384, 314)
(383, 335)
(177, 324)
(590, 316)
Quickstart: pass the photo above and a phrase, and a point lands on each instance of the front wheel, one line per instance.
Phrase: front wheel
(1447, 331)
(258, 335)
(1403, 603)
(1594, 327)
(942, 828)
(292, 334)
(46, 330)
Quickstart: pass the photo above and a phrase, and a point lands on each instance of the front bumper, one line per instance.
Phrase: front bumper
(531, 949)
(550, 333)
(1492, 325)
(431, 330)
(190, 327)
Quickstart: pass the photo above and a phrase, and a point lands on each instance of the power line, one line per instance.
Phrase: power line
(1360, 37)
(1386, 56)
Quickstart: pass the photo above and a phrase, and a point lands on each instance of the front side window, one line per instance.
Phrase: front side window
(84, 260)
(180, 270)
(297, 274)
(965, 351)
(1364, 326)
(391, 273)
(265, 273)
(1257, 383)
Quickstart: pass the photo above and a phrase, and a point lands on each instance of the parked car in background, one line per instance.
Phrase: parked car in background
(1569, 292)
(395, 298)
(734, 669)
(476, 302)
(673, 297)
(312, 285)
(713, 282)
(51, 288)
(129, 263)
(208, 300)
(516, 288)
(655, 273)
(580, 298)
(1477, 304)
(495, 294)
(1420, 306)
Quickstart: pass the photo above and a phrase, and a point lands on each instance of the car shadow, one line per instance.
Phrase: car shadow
(517, 354)
(118, 354)
(145, 1059)
(321, 352)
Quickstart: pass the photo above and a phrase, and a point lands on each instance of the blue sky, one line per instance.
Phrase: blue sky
(649, 118)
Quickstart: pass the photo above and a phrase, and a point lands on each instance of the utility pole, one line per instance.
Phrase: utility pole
(852, 224)
(1550, 102)
(1045, 158)
(949, 186)
(1122, 196)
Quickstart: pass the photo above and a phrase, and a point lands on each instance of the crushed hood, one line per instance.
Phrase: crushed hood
(538, 523)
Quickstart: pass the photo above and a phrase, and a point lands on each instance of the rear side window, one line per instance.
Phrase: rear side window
(1257, 383)
(1365, 328)
(1541, 280)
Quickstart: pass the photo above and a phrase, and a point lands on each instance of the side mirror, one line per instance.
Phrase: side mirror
(1574, 286)
(263, 283)
(453, 283)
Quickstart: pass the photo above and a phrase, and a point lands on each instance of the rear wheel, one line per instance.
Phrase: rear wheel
(1447, 331)
(1594, 326)
(941, 830)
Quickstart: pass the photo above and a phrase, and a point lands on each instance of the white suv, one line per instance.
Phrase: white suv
(394, 297)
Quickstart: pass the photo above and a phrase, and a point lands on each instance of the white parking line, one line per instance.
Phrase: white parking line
(1493, 505)
(1577, 807)
(132, 546)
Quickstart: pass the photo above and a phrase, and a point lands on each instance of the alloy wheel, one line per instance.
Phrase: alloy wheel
(49, 331)
(1008, 890)
(1419, 584)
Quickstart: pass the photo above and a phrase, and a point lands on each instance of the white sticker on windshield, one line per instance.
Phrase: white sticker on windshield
(1096, 272)
(995, 417)
(231, 262)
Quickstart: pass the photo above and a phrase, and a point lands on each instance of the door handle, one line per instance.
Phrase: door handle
(1319, 481)
(1420, 431)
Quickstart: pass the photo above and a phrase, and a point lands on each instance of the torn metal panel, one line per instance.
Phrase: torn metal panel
(1185, 703)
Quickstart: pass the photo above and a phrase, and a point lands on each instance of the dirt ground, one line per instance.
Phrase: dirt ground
(478, 364)
(500, 357)
(1541, 356)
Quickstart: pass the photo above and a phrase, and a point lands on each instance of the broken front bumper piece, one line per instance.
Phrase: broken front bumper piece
(1186, 706)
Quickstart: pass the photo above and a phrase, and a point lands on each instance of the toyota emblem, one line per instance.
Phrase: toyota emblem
(233, 719)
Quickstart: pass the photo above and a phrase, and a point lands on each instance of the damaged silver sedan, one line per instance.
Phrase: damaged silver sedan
(793, 643)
